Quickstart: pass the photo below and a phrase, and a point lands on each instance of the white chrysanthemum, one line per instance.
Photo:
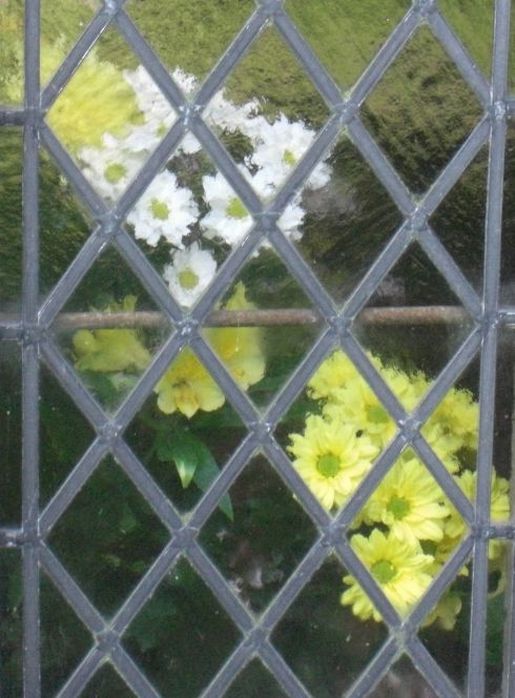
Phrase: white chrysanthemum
(228, 218)
(109, 169)
(188, 83)
(225, 115)
(165, 210)
(190, 274)
(291, 219)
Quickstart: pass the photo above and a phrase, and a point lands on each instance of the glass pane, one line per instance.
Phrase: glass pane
(254, 682)
(11, 619)
(326, 645)
(182, 635)
(473, 22)
(11, 154)
(400, 112)
(403, 679)
(12, 52)
(508, 232)
(10, 433)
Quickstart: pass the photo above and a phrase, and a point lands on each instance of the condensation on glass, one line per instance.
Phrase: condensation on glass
(257, 319)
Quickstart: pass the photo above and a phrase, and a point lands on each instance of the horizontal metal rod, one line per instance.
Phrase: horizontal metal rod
(405, 315)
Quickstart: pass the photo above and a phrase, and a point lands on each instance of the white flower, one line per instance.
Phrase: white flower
(149, 97)
(188, 83)
(224, 114)
(190, 274)
(165, 210)
(111, 168)
(228, 218)
(320, 176)
(291, 219)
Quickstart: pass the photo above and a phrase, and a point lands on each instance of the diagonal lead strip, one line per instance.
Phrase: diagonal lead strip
(375, 670)
(431, 670)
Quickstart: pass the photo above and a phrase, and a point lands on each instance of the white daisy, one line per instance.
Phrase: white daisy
(190, 274)
(165, 210)
(109, 169)
(228, 218)
(225, 115)
(291, 219)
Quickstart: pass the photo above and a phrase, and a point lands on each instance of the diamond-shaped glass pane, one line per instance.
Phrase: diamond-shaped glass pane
(185, 432)
(267, 537)
(11, 53)
(412, 301)
(108, 537)
(182, 635)
(11, 622)
(62, 23)
(255, 682)
(268, 114)
(460, 219)
(64, 640)
(270, 326)
(65, 434)
(404, 534)
(403, 676)
(110, 329)
(110, 116)
(106, 683)
(364, 28)
(65, 224)
(10, 433)
(400, 112)
(344, 218)
(508, 230)
(11, 154)
(323, 641)
(189, 37)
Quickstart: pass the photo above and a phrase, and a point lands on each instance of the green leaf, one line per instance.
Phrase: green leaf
(206, 472)
(181, 448)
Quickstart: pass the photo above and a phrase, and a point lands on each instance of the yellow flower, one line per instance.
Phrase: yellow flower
(410, 502)
(331, 459)
(445, 612)
(111, 350)
(458, 416)
(399, 567)
(97, 100)
(333, 373)
(240, 348)
(188, 387)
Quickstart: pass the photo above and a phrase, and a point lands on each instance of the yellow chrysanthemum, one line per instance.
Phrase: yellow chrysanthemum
(240, 348)
(458, 416)
(358, 405)
(334, 373)
(111, 350)
(97, 100)
(445, 612)
(331, 459)
(408, 389)
(399, 567)
(444, 444)
(409, 502)
(188, 387)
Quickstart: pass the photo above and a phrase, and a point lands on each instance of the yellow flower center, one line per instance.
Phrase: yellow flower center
(398, 506)
(159, 210)
(188, 279)
(377, 414)
(114, 172)
(328, 465)
(289, 158)
(383, 571)
(235, 209)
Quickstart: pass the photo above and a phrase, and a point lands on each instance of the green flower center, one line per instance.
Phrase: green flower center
(289, 158)
(377, 414)
(398, 506)
(188, 279)
(235, 209)
(383, 571)
(159, 210)
(328, 465)
(114, 172)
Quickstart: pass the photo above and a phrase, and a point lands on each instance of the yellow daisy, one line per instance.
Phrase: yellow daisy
(399, 567)
(458, 416)
(334, 373)
(445, 612)
(331, 459)
(410, 502)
